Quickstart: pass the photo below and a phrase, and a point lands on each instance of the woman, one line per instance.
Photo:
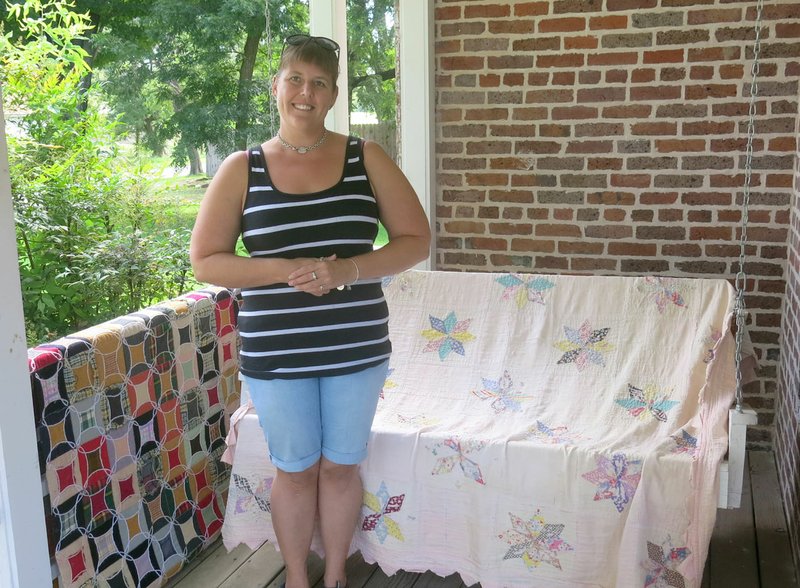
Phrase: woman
(314, 331)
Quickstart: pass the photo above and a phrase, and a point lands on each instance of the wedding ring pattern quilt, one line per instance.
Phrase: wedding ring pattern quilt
(131, 419)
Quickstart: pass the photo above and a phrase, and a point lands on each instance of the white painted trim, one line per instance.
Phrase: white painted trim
(416, 83)
(24, 558)
(722, 498)
(328, 18)
(732, 470)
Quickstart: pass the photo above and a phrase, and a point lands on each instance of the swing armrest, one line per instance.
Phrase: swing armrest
(731, 470)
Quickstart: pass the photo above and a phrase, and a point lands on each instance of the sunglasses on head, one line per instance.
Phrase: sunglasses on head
(323, 42)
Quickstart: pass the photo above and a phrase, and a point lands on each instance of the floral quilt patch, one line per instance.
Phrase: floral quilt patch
(616, 479)
(458, 450)
(388, 383)
(647, 402)
(447, 335)
(418, 420)
(584, 346)
(382, 504)
(502, 394)
(710, 341)
(535, 541)
(685, 443)
(664, 292)
(524, 289)
(248, 497)
(405, 282)
(662, 563)
(560, 435)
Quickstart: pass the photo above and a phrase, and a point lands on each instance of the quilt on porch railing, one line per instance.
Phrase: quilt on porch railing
(131, 421)
(536, 431)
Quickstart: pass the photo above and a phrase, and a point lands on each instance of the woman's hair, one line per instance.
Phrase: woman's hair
(310, 51)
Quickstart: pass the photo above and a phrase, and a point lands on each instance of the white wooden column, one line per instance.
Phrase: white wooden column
(24, 559)
(416, 81)
(328, 18)
(416, 25)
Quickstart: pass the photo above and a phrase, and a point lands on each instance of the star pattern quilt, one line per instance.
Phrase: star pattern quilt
(535, 431)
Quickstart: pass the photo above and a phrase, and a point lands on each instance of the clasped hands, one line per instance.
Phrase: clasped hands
(321, 275)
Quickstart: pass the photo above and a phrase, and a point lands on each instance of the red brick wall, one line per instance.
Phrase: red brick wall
(787, 428)
(607, 137)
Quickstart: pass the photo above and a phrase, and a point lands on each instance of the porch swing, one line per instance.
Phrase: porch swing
(526, 417)
(732, 468)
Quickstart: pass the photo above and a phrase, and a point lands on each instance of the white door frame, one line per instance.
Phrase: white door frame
(24, 557)
(417, 97)
(416, 82)
(328, 18)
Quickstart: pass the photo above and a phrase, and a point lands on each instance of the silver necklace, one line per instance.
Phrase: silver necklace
(303, 150)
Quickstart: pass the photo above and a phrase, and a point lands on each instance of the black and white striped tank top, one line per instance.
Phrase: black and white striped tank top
(291, 334)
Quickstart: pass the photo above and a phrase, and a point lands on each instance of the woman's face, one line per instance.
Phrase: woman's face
(304, 93)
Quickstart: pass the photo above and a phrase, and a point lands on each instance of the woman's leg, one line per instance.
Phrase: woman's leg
(289, 413)
(294, 509)
(340, 497)
(347, 405)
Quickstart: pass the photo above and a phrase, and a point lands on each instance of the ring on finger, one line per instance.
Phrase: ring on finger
(313, 275)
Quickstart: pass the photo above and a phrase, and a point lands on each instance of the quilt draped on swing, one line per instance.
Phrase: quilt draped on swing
(536, 431)
(131, 420)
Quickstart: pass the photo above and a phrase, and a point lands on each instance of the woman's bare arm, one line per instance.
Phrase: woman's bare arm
(213, 245)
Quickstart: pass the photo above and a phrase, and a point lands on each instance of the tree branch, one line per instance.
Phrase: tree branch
(387, 74)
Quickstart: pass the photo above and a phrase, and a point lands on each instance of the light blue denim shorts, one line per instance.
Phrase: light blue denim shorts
(305, 418)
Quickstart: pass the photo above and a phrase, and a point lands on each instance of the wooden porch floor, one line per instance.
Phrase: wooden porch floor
(749, 549)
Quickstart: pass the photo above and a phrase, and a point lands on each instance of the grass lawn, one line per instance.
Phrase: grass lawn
(179, 197)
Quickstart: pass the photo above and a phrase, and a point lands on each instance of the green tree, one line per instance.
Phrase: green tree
(193, 73)
(372, 57)
(80, 220)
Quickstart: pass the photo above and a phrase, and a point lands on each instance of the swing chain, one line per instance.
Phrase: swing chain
(740, 310)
